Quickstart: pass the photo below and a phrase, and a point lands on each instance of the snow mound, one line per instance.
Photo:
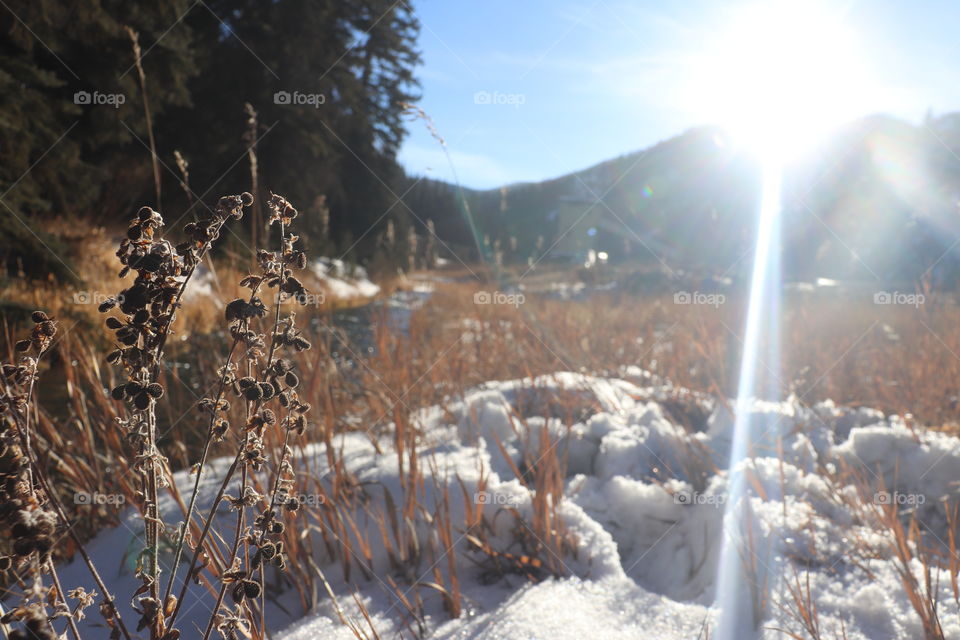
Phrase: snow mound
(203, 285)
(343, 282)
(646, 500)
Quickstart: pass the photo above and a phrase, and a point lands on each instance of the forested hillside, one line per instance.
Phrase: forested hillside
(323, 78)
(690, 202)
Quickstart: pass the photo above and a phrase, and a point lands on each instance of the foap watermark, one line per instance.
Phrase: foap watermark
(691, 498)
(311, 499)
(498, 499)
(514, 100)
(99, 499)
(696, 297)
(899, 499)
(898, 298)
(96, 297)
(498, 297)
(96, 98)
(298, 99)
(304, 299)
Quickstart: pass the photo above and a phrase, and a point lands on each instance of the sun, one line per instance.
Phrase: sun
(783, 73)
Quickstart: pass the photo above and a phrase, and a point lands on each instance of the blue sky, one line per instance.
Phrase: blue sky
(527, 89)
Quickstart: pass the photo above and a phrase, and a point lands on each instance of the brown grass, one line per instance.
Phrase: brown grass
(832, 349)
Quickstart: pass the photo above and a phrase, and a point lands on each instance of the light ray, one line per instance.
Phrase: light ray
(734, 596)
(782, 76)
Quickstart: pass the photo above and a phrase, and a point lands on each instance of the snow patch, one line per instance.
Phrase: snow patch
(343, 282)
(646, 502)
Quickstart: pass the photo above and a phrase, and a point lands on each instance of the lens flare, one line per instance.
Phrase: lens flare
(760, 354)
(783, 75)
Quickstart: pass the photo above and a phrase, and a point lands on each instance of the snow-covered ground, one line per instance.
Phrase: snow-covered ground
(203, 286)
(646, 501)
(337, 280)
(341, 282)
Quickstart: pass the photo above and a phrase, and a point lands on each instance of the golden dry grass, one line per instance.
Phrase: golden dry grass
(898, 359)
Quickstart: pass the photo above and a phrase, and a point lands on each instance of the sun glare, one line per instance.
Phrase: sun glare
(784, 73)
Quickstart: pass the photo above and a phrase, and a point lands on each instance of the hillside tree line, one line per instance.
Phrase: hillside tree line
(312, 86)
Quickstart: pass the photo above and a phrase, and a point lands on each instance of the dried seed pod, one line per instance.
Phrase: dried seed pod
(251, 589)
(235, 310)
(142, 400)
(228, 202)
(300, 424)
(23, 546)
(291, 285)
(266, 390)
(155, 390)
(220, 428)
(43, 544)
(150, 263)
(38, 317)
(292, 380)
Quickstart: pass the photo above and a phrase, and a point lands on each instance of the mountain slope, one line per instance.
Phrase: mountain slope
(875, 202)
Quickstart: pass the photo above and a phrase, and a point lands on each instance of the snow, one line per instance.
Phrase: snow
(338, 281)
(646, 501)
(203, 285)
(575, 608)
(343, 282)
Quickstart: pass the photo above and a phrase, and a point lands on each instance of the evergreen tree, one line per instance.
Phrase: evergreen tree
(325, 77)
(69, 115)
(349, 64)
